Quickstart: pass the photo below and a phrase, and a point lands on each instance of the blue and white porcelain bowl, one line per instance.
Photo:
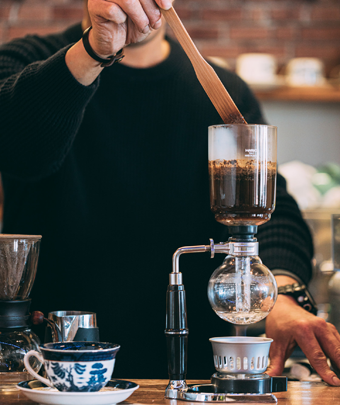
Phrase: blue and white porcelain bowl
(75, 366)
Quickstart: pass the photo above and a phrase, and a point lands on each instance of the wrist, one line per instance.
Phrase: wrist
(300, 294)
(92, 43)
(284, 305)
(284, 280)
(104, 60)
(285, 300)
(83, 68)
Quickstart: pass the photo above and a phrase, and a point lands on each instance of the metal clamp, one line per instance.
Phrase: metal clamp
(244, 248)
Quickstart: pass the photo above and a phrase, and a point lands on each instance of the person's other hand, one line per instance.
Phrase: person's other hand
(289, 324)
(117, 23)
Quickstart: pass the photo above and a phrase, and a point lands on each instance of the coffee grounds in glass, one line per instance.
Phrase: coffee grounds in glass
(242, 192)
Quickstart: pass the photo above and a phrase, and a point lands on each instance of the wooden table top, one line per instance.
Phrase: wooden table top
(152, 392)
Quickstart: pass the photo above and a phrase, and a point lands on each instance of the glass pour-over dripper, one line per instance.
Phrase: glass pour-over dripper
(242, 171)
(18, 265)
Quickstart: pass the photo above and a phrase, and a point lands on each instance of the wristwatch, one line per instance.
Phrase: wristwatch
(301, 295)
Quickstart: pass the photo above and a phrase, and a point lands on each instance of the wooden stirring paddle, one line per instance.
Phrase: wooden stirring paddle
(206, 75)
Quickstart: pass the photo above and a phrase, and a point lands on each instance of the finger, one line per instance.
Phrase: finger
(153, 13)
(278, 355)
(329, 343)
(135, 12)
(133, 35)
(110, 12)
(311, 348)
(334, 331)
(164, 4)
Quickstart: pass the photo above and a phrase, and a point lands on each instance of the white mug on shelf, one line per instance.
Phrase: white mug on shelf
(257, 68)
(305, 72)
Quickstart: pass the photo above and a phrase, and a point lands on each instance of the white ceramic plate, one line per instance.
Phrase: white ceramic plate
(115, 391)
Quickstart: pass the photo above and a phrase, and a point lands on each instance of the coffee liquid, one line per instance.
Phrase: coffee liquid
(242, 192)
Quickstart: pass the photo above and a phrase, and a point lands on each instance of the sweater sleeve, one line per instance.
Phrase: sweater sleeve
(41, 109)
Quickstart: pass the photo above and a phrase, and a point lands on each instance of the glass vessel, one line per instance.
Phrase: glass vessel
(18, 265)
(242, 171)
(242, 290)
(13, 347)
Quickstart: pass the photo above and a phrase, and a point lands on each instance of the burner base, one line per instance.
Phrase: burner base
(246, 383)
(241, 388)
(207, 393)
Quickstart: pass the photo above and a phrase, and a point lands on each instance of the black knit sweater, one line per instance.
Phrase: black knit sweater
(114, 177)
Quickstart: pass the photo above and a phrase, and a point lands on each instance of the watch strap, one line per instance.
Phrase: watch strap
(103, 62)
(301, 295)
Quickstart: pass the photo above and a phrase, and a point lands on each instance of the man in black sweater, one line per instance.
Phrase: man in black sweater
(110, 166)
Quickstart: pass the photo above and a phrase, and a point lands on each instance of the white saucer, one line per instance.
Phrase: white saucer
(115, 391)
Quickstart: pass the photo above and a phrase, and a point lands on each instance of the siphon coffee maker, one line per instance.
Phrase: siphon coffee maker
(242, 172)
(18, 265)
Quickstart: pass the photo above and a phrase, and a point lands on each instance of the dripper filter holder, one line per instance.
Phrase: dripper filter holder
(242, 171)
(18, 266)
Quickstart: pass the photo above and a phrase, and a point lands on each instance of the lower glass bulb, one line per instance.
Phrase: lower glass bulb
(242, 290)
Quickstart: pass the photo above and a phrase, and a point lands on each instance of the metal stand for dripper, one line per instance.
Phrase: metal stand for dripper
(224, 387)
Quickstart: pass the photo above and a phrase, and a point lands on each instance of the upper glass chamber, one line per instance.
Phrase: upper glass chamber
(242, 172)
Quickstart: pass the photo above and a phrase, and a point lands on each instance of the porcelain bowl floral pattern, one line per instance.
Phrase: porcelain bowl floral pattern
(76, 366)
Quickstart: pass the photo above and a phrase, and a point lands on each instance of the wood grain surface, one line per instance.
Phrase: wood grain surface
(325, 94)
(152, 392)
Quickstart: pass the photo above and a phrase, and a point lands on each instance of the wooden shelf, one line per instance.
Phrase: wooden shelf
(326, 94)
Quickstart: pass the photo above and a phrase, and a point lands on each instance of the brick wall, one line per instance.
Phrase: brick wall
(225, 28)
